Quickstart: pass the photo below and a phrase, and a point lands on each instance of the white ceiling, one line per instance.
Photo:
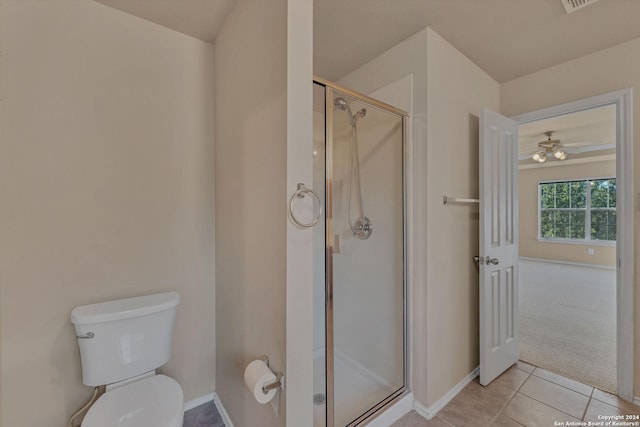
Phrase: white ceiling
(585, 129)
(506, 38)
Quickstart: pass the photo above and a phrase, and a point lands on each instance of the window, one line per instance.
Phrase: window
(578, 210)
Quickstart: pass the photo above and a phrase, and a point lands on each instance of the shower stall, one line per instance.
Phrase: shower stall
(360, 297)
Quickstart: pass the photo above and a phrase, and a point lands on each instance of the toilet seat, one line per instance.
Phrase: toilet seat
(156, 401)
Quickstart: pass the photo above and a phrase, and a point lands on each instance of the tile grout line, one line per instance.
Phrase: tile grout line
(584, 414)
(443, 420)
(511, 398)
(560, 385)
(542, 403)
(549, 406)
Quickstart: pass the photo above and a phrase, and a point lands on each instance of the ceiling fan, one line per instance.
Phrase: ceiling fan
(549, 148)
(555, 150)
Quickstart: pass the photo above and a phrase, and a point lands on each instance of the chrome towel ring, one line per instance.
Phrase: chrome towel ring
(300, 193)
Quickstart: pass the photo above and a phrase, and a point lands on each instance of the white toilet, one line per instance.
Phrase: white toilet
(121, 343)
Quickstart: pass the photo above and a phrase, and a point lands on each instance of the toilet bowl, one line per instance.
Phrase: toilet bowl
(122, 343)
(156, 401)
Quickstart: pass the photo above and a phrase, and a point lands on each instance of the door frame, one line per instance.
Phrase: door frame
(622, 99)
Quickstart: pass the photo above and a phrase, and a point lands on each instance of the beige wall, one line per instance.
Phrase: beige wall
(251, 215)
(457, 90)
(605, 71)
(106, 191)
(528, 215)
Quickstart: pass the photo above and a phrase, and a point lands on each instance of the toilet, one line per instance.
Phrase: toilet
(122, 343)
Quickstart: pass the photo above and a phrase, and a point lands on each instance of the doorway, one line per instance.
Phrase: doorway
(567, 208)
(623, 224)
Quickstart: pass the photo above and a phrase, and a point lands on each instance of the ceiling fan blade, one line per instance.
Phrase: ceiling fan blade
(587, 149)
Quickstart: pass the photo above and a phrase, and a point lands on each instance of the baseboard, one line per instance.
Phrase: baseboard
(636, 400)
(432, 410)
(223, 412)
(198, 401)
(399, 409)
(571, 263)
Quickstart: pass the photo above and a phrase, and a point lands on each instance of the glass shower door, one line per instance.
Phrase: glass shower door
(365, 274)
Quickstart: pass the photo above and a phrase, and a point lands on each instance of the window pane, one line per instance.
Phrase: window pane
(546, 224)
(562, 224)
(562, 195)
(601, 190)
(578, 194)
(577, 225)
(547, 195)
(612, 193)
(603, 224)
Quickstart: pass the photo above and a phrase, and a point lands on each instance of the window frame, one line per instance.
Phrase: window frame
(587, 240)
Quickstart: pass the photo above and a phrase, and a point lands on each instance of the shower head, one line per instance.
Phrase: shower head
(359, 114)
(341, 104)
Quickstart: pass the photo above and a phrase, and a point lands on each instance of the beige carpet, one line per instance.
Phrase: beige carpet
(568, 321)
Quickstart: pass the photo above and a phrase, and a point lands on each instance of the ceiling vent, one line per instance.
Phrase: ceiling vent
(573, 5)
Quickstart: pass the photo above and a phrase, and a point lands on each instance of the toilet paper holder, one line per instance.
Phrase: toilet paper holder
(277, 383)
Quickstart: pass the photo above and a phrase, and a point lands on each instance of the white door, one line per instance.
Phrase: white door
(499, 342)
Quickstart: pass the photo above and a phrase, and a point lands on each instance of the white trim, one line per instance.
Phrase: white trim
(606, 243)
(193, 403)
(394, 413)
(223, 412)
(576, 264)
(298, 307)
(636, 401)
(622, 99)
(432, 410)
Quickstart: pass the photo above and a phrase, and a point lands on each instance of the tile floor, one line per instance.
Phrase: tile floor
(524, 396)
(205, 415)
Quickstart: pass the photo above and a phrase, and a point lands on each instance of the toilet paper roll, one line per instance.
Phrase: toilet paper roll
(257, 375)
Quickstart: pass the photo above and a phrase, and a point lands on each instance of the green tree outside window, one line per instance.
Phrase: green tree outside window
(578, 210)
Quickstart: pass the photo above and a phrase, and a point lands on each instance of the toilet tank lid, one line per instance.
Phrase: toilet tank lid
(124, 308)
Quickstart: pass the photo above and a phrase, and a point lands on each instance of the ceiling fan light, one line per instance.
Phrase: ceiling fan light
(560, 155)
(539, 157)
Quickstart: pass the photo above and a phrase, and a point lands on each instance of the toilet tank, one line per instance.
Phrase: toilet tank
(124, 338)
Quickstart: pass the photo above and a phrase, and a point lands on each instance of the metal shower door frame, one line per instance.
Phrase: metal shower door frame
(329, 244)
